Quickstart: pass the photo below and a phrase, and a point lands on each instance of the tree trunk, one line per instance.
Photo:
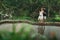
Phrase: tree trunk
(48, 10)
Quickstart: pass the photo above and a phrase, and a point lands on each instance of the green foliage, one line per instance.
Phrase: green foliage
(28, 8)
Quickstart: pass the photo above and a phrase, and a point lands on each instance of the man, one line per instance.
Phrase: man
(44, 15)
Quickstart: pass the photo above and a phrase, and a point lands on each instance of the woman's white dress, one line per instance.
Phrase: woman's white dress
(40, 15)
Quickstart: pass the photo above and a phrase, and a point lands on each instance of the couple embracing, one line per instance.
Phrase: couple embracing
(42, 15)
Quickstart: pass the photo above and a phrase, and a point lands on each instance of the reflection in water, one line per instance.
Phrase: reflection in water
(48, 29)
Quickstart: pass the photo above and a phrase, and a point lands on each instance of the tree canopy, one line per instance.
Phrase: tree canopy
(29, 8)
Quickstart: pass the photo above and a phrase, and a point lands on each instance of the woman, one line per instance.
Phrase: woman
(40, 18)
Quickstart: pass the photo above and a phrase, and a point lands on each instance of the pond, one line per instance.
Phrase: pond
(9, 26)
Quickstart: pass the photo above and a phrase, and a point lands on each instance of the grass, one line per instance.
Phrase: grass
(53, 19)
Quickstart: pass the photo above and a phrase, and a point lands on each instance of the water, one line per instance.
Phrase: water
(55, 29)
(48, 29)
